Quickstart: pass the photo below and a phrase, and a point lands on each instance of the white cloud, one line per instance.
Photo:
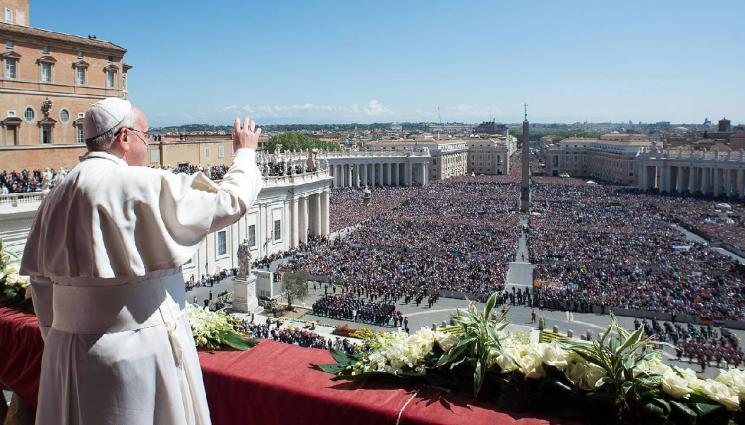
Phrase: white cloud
(310, 110)
(375, 108)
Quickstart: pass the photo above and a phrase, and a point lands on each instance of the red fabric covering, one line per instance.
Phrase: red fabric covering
(273, 383)
(21, 347)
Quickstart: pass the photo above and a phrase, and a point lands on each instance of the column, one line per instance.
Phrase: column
(691, 180)
(679, 180)
(389, 174)
(407, 173)
(338, 177)
(349, 176)
(317, 217)
(705, 180)
(643, 177)
(396, 181)
(325, 212)
(741, 184)
(423, 174)
(716, 186)
(665, 186)
(295, 234)
(357, 175)
(303, 218)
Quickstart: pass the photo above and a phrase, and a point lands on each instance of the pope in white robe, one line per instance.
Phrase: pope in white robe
(105, 255)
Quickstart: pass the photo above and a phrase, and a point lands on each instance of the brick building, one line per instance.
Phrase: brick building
(47, 81)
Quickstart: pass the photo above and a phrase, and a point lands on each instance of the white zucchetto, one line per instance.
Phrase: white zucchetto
(104, 115)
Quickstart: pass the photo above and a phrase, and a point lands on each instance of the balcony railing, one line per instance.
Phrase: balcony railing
(19, 200)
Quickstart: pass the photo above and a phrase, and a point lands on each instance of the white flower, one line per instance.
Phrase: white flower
(584, 375)
(505, 359)
(674, 384)
(446, 341)
(735, 380)
(531, 363)
(554, 355)
(720, 393)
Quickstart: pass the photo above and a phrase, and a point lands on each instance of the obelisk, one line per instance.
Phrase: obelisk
(525, 183)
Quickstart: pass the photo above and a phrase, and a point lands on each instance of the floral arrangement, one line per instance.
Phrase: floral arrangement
(346, 331)
(215, 330)
(618, 377)
(12, 285)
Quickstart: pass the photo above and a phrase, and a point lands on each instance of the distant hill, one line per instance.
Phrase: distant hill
(195, 128)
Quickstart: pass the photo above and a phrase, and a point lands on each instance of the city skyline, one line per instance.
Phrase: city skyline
(386, 62)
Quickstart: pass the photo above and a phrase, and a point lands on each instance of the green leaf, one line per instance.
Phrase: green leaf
(633, 339)
(490, 305)
(235, 340)
(341, 357)
(682, 408)
(478, 377)
(455, 352)
(333, 369)
(705, 409)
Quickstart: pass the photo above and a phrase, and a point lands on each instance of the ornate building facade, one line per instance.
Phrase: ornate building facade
(610, 158)
(48, 81)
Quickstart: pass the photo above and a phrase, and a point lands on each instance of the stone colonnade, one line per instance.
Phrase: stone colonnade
(379, 173)
(705, 173)
(309, 214)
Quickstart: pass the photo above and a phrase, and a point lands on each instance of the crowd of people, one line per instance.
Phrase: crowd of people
(454, 236)
(702, 345)
(598, 245)
(209, 280)
(348, 209)
(273, 329)
(29, 181)
(348, 307)
(718, 221)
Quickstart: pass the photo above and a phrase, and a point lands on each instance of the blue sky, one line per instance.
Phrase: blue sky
(379, 61)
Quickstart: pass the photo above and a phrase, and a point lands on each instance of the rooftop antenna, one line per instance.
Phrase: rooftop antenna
(526, 111)
(439, 116)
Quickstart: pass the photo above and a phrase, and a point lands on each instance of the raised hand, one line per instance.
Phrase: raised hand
(246, 136)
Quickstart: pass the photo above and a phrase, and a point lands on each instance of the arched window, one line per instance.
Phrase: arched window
(29, 114)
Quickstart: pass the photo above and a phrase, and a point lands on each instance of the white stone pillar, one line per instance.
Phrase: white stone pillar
(357, 175)
(407, 173)
(705, 180)
(691, 180)
(317, 216)
(303, 218)
(716, 186)
(349, 175)
(679, 180)
(295, 234)
(325, 212)
(396, 170)
(665, 187)
(643, 186)
(423, 174)
(741, 183)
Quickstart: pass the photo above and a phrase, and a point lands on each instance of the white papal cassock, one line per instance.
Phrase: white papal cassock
(104, 255)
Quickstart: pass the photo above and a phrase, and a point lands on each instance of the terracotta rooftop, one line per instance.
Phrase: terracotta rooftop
(59, 36)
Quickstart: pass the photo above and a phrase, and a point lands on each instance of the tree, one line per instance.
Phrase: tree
(293, 140)
(295, 286)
